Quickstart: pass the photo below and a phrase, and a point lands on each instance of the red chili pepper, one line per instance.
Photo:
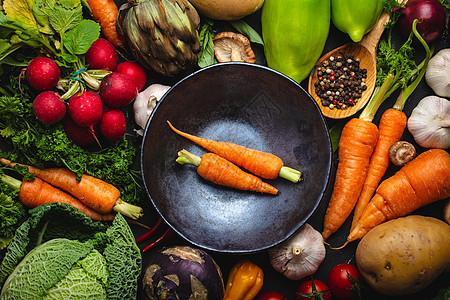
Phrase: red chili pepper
(159, 223)
(163, 237)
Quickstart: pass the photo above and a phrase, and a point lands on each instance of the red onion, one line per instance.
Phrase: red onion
(431, 16)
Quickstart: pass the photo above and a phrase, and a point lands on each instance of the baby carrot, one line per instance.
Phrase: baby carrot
(422, 181)
(95, 193)
(105, 13)
(358, 139)
(37, 192)
(260, 163)
(391, 127)
(216, 169)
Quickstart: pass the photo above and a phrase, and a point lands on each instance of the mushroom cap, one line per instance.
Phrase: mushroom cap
(230, 46)
(401, 153)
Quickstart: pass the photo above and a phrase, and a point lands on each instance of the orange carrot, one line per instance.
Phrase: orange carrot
(260, 163)
(37, 192)
(105, 13)
(216, 169)
(358, 139)
(391, 127)
(422, 181)
(95, 193)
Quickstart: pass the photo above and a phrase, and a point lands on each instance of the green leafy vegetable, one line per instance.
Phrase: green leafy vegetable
(59, 253)
(248, 31)
(206, 57)
(11, 216)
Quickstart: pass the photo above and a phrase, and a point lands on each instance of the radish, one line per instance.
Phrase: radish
(117, 90)
(86, 109)
(49, 108)
(42, 73)
(79, 135)
(113, 125)
(133, 71)
(101, 55)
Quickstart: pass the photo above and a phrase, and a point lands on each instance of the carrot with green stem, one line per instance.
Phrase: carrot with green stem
(37, 192)
(95, 193)
(218, 170)
(424, 180)
(260, 163)
(105, 12)
(393, 121)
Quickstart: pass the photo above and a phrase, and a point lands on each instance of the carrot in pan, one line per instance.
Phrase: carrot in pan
(217, 169)
(260, 163)
(105, 13)
(391, 127)
(37, 192)
(95, 193)
(422, 181)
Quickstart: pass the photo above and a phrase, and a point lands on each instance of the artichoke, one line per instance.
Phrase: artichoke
(162, 34)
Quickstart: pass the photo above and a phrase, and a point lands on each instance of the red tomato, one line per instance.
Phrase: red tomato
(343, 281)
(272, 296)
(319, 291)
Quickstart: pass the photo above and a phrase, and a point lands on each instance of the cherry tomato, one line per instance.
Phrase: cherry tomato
(313, 289)
(343, 281)
(272, 296)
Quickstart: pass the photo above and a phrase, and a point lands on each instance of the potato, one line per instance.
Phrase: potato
(404, 255)
(226, 9)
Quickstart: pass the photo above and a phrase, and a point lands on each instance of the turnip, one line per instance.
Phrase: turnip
(117, 90)
(42, 73)
(101, 55)
(79, 135)
(133, 71)
(86, 109)
(113, 124)
(49, 108)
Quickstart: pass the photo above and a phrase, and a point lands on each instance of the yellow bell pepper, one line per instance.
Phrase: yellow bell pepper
(244, 282)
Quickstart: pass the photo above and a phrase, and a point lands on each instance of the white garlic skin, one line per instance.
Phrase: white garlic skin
(300, 255)
(429, 122)
(146, 101)
(437, 74)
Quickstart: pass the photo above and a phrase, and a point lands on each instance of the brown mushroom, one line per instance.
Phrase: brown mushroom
(401, 152)
(230, 46)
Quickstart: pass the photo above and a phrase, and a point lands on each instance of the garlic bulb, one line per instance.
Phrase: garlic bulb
(300, 255)
(437, 75)
(429, 122)
(145, 102)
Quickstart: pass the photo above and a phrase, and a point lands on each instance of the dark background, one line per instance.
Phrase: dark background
(274, 281)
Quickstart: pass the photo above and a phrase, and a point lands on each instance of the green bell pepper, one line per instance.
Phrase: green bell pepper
(294, 34)
(355, 17)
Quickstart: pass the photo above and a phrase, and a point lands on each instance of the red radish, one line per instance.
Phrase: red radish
(134, 71)
(431, 16)
(113, 124)
(81, 136)
(101, 55)
(86, 109)
(43, 73)
(117, 90)
(49, 108)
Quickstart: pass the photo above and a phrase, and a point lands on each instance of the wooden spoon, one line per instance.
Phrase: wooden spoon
(365, 50)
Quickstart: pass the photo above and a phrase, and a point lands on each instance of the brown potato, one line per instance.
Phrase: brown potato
(404, 255)
(226, 9)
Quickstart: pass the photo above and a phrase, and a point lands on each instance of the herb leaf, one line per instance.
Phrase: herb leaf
(248, 31)
(206, 57)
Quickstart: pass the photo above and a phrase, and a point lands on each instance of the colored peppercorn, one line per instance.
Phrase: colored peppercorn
(340, 82)
(355, 17)
(244, 282)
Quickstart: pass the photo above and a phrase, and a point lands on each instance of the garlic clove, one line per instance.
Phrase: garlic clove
(300, 255)
(437, 74)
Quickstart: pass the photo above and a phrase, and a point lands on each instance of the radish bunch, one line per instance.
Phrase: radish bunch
(92, 103)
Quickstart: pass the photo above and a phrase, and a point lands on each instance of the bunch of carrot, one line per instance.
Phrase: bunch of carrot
(222, 166)
(364, 157)
(96, 198)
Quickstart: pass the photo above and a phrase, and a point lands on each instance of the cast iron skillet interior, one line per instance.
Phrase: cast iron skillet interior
(253, 106)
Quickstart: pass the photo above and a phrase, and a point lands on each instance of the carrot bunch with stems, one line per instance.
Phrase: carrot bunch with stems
(220, 171)
(423, 180)
(95, 193)
(37, 192)
(265, 165)
(393, 121)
